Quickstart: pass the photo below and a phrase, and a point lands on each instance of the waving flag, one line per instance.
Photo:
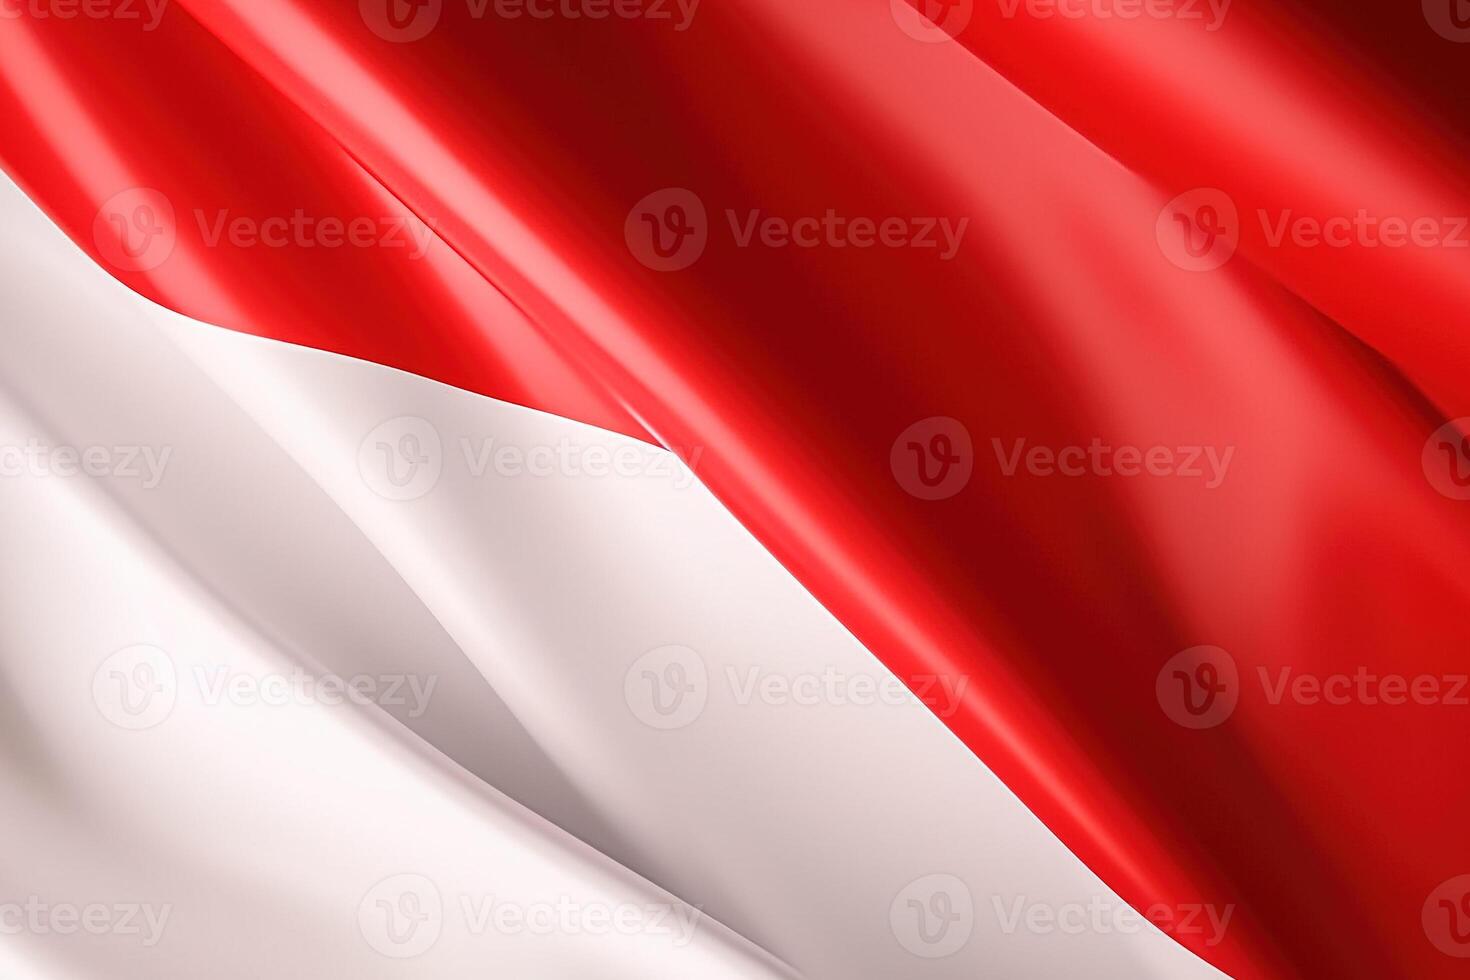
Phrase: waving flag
(656, 487)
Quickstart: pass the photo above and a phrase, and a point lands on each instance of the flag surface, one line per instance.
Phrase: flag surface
(903, 490)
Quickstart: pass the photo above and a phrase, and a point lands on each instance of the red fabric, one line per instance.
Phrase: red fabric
(799, 372)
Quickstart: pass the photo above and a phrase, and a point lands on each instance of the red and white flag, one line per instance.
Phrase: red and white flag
(641, 488)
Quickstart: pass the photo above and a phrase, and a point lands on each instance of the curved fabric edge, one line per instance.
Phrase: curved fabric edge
(285, 529)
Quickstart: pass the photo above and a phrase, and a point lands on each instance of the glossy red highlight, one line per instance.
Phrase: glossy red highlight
(1067, 316)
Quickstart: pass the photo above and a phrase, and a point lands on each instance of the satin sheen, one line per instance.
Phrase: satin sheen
(524, 144)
